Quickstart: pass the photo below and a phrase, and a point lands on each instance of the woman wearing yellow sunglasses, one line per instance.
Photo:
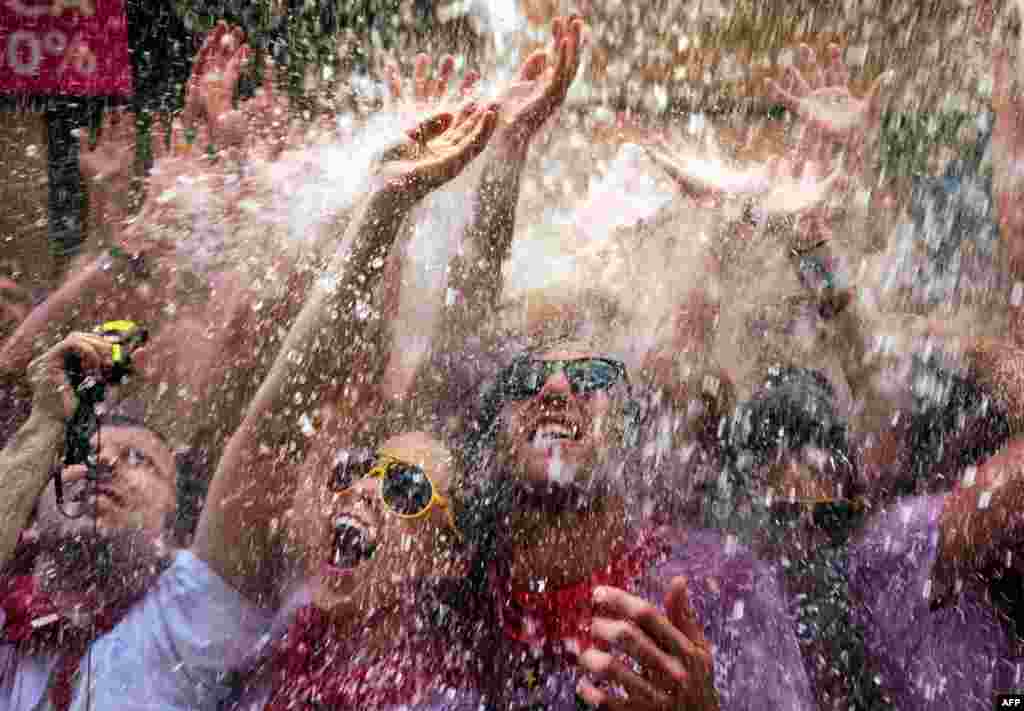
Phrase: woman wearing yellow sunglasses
(376, 532)
(374, 521)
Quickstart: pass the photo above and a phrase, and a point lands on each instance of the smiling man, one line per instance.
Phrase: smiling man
(590, 599)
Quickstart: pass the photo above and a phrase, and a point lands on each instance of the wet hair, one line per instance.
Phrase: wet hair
(947, 406)
(191, 478)
(793, 409)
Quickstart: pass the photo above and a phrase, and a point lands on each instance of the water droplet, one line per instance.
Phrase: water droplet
(985, 499)
(969, 475)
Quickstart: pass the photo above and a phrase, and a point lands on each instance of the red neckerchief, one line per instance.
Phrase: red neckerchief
(565, 614)
(36, 621)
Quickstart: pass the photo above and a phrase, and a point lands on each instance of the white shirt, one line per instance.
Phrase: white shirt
(172, 650)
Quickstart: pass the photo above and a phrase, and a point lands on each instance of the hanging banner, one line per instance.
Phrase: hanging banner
(64, 48)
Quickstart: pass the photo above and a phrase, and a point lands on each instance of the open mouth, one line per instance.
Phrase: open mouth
(353, 543)
(548, 431)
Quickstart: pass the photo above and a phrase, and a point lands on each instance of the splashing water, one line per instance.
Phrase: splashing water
(559, 471)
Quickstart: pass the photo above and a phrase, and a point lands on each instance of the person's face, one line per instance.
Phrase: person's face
(134, 487)
(358, 549)
(558, 435)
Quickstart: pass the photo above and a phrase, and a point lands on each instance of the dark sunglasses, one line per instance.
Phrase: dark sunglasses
(405, 488)
(525, 377)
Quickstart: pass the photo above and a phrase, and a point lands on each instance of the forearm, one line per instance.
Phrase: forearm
(475, 278)
(107, 214)
(327, 349)
(25, 465)
(57, 314)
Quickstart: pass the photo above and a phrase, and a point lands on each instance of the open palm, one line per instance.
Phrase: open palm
(542, 86)
(822, 97)
(436, 151)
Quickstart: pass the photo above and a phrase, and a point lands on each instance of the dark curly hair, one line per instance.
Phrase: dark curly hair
(792, 410)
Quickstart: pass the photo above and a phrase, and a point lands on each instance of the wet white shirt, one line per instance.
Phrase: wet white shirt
(172, 650)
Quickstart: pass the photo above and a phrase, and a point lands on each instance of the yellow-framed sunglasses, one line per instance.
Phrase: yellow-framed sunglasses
(405, 488)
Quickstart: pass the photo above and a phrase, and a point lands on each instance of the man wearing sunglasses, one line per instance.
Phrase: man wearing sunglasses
(618, 613)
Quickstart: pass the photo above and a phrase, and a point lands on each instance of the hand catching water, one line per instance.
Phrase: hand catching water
(436, 151)
(541, 87)
(820, 95)
(665, 662)
(212, 86)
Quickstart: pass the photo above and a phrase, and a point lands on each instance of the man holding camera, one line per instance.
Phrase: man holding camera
(98, 552)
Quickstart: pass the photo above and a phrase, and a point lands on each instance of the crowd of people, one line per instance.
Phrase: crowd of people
(278, 510)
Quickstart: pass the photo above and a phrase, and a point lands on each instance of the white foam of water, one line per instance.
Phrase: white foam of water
(217, 219)
(984, 500)
(556, 468)
(438, 225)
(557, 244)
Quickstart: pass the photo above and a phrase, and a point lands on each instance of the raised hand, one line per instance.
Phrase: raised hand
(666, 662)
(435, 152)
(821, 96)
(214, 81)
(427, 91)
(542, 84)
(267, 115)
(108, 164)
(111, 156)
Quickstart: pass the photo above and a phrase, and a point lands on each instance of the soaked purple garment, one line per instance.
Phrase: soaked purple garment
(737, 598)
(953, 658)
(739, 602)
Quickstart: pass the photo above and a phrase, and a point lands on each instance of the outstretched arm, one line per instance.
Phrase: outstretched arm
(528, 104)
(980, 526)
(105, 285)
(333, 343)
(101, 287)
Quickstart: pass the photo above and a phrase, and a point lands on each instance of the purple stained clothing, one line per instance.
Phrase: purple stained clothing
(737, 598)
(952, 658)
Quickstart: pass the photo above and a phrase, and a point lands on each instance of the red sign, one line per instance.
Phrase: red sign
(64, 47)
